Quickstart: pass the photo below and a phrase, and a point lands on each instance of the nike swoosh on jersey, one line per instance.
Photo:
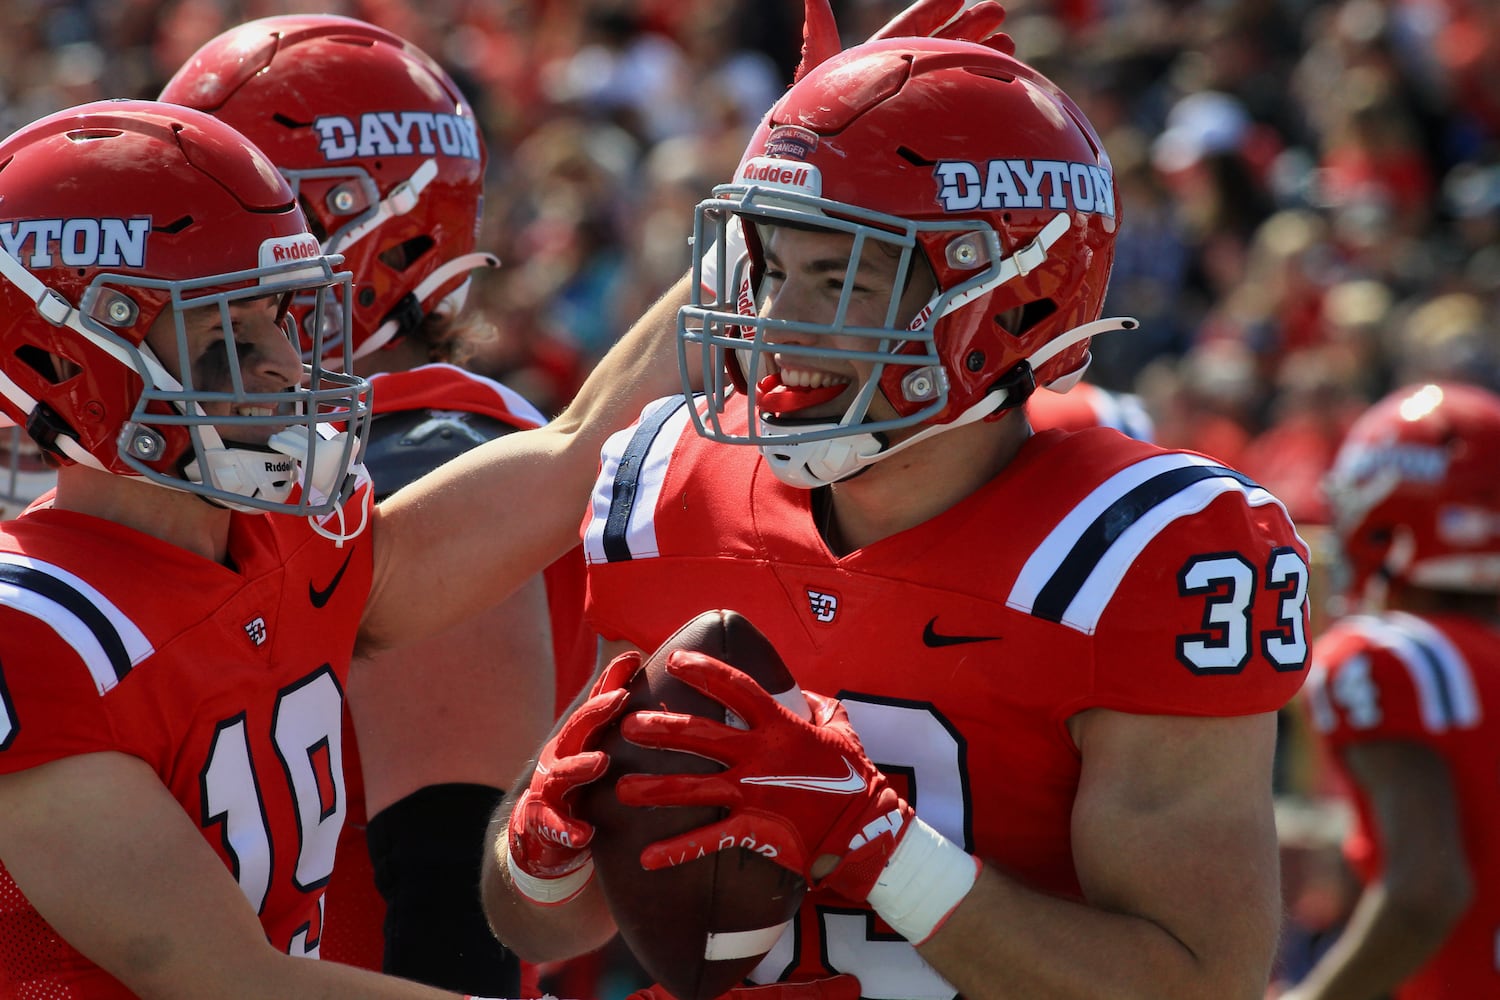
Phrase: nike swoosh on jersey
(932, 637)
(850, 784)
(321, 597)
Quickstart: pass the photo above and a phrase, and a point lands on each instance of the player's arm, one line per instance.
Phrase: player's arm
(107, 856)
(464, 536)
(538, 932)
(546, 905)
(1174, 844)
(1404, 916)
(1173, 838)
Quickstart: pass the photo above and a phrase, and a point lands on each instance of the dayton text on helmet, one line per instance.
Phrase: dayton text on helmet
(397, 133)
(1084, 187)
(77, 242)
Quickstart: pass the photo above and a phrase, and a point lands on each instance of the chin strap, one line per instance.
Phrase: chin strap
(402, 199)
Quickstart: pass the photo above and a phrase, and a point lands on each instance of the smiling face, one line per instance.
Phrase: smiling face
(807, 275)
(237, 367)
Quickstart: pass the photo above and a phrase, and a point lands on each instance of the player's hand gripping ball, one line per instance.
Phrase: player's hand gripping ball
(698, 927)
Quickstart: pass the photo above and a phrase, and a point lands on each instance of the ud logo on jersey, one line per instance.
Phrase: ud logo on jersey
(256, 630)
(824, 606)
(1051, 184)
(77, 242)
(397, 133)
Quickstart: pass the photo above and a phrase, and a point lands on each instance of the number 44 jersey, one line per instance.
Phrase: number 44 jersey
(1093, 571)
(228, 682)
(1426, 681)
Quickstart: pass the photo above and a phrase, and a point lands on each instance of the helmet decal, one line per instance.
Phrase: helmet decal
(77, 242)
(1055, 184)
(397, 133)
(791, 142)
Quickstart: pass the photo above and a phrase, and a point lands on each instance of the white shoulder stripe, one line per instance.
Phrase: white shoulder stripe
(1073, 574)
(1446, 695)
(1039, 568)
(69, 624)
(633, 467)
(1085, 610)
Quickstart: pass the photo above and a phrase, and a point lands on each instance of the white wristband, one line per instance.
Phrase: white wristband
(926, 878)
(551, 891)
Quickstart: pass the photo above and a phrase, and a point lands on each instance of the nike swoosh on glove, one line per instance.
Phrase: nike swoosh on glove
(801, 793)
(549, 856)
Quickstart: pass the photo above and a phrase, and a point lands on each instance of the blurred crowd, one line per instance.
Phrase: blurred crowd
(1311, 187)
(1311, 192)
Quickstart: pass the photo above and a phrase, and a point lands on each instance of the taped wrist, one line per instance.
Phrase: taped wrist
(426, 850)
(924, 881)
(550, 891)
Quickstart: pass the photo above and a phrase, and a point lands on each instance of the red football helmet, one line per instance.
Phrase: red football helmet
(946, 149)
(380, 147)
(116, 213)
(1415, 491)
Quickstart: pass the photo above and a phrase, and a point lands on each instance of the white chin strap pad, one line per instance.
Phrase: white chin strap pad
(328, 468)
(810, 464)
(246, 472)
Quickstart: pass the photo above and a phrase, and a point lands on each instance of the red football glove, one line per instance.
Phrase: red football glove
(833, 988)
(923, 19)
(549, 846)
(801, 793)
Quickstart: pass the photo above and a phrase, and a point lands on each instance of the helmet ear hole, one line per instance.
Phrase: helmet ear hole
(403, 255)
(1033, 313)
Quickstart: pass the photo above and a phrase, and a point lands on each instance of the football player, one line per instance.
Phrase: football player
(1400, 692)
(388, 165)
(1043, 670)
(177, 624)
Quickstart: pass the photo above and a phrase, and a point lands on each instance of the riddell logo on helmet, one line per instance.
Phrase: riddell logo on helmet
(998, 184)
(397, 133)
(301, 250)
(289, 249)
(791, 176)
(77, 242)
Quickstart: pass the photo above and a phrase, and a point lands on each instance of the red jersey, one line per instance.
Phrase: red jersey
(1094, 570)
(228, 682)
(1425, 680)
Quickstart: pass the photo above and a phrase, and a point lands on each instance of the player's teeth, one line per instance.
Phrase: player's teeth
(811, 379)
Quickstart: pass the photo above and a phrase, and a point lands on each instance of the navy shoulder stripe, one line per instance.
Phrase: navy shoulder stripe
(1071, 577)
(108, 642)
(632, 468)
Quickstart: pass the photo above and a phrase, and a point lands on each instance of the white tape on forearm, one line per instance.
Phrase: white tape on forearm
(924, 881)
(551, 891)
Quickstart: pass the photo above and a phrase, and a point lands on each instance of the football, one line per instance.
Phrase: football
(697, 928)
